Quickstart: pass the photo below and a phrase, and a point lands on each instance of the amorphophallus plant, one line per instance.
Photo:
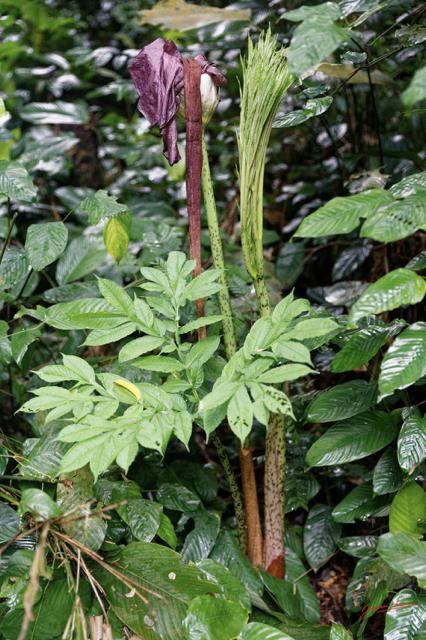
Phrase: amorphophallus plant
(167, 83)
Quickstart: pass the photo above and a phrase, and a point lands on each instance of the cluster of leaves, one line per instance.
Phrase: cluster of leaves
(113, 505)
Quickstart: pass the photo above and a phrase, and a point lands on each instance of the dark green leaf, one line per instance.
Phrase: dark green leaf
(320, 535)
(412, 441)
(354, 438)
(405, 360)
(214, 619)
(408, 510)
(342, 401)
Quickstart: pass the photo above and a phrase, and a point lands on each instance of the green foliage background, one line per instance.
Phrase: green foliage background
(103, 520)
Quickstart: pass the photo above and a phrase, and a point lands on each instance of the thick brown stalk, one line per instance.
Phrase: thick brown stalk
(194, 162)
(251, 507)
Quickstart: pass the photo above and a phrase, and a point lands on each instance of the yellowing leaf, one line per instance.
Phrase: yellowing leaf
(116, 235)
(132, 388)
(182, 16)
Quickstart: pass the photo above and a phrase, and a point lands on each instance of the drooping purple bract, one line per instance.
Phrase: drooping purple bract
(158, 75)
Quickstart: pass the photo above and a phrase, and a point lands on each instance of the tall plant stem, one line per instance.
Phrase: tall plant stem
(274, 478)
(252, 536)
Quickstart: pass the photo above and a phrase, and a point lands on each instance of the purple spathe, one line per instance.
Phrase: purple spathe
(158, 75)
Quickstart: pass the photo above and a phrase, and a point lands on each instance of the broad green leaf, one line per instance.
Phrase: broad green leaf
(409, 185)
(55, 112)
(101, 205)
(39, 504)
(408, 510)
(41, 460)
(214, 619)
(21, 340)
(230, 586)
(342, 215)
(396, 288)
(397, 220)
(136, 348)
(75, 497)
(360, 504)
(259, 631)
(201, 540)
(117, 235)
(45, 243)
(404, 553)
(178, 498)
(416, 90)
(354, 438)
(405, 360)
(358, 546)
(387, 476)
(285, 373)
(51, 612)
(9, 523)
(342, 401)
(82, 256)
(320, 535)
(312, 108)
(154, 604)
(16, 183)
(295, 573)
(361, 347)
(405, 616)
(240, 413)
(412, 441)
(227, 552)
(339, 632)
(316, 38)
(142, 516)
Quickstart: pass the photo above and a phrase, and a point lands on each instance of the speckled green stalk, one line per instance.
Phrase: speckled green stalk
(217, 253)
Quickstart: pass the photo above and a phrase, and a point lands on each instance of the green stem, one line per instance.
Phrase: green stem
(217, 253)
(248, 517)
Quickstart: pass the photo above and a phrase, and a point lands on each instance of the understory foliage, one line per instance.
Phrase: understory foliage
(122, 423)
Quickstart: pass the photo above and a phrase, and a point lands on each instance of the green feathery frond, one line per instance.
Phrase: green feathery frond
(265, 80)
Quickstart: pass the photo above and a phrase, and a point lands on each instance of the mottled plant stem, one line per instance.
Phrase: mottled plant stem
(250, 531)
(194, 163)
(274, 479)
